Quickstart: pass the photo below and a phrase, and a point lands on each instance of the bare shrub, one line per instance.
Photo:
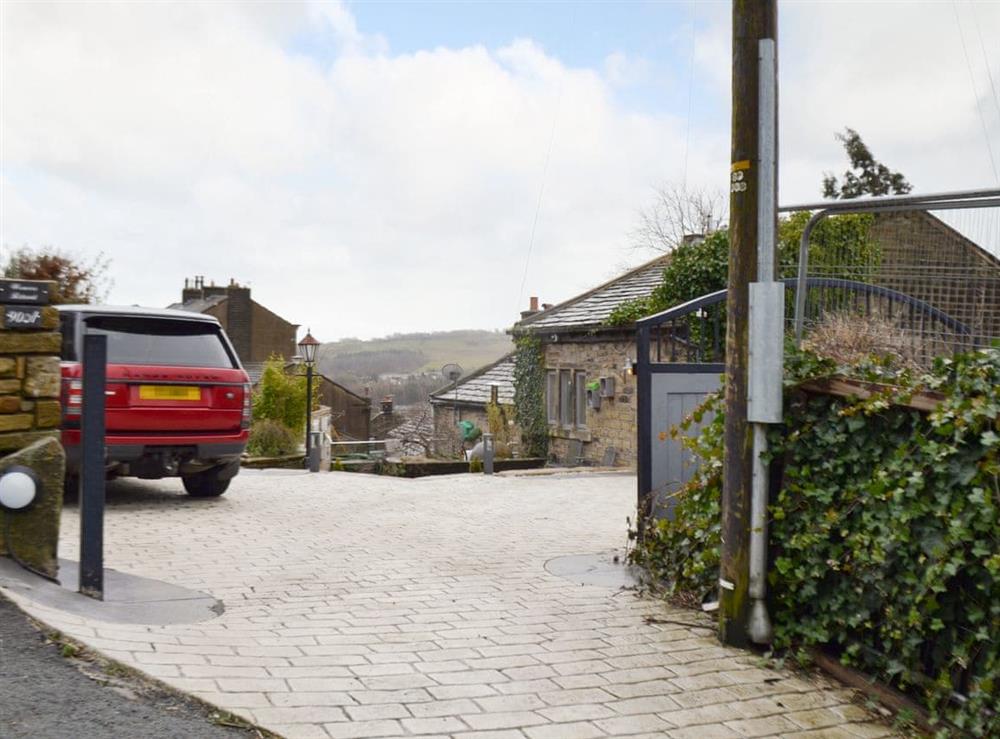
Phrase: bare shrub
(849, 338)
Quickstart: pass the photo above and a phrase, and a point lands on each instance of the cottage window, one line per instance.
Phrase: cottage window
(566, 398)
(552, 397)
(580, 382)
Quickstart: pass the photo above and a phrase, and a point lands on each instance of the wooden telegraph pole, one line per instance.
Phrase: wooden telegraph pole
(752, 21)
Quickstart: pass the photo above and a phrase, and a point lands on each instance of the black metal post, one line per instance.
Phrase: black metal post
(309, 408)
(644, 400)
(95, 358)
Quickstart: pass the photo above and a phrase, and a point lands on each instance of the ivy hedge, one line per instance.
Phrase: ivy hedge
(885, 535)
(529, 396)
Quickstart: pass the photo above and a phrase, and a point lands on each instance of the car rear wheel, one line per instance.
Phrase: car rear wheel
(205, 484)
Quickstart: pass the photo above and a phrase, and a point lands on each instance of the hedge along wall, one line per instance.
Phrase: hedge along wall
(885, 535)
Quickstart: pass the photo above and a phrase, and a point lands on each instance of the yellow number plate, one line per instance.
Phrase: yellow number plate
(169, 392)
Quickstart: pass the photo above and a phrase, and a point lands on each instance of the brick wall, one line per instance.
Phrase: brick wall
(271, 334)
(613, 425)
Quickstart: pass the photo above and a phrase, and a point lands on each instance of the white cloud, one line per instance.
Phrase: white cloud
(374, 191)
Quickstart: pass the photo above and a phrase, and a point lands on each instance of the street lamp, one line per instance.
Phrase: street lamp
(308, 347)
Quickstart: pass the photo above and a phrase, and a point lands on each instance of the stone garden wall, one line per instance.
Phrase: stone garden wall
(30, 414)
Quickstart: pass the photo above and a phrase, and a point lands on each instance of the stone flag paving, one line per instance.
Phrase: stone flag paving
(362, 606)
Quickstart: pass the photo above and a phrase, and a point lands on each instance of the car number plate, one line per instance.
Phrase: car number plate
(169, 392)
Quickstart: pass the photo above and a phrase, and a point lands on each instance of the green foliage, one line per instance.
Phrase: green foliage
(529, 396)
(269, 438)
(498, 416)
(696, 269)
(868, 177)
(281, 396)
(836, 241)
(475, 464)
(76, 281)
(885, 534)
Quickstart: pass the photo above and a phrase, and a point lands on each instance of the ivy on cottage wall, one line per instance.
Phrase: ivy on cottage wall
(529, 396)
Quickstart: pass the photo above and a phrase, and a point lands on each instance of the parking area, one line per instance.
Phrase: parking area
(362, 606)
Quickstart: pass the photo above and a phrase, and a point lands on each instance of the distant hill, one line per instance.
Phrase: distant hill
(411, 353)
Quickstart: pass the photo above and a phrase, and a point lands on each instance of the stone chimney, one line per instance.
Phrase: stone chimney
(387, 405)
(239, 318)
(192, 289)
(532, 309)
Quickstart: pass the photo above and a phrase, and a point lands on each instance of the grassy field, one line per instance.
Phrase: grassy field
(414, 353)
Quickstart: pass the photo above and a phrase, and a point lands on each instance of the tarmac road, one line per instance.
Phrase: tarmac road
(44, 695)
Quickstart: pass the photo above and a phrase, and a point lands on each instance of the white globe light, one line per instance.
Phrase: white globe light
(17, 490)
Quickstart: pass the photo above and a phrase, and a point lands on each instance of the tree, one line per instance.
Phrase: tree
(280, 396)
(76, 281)
(677, 212)
(866, 176)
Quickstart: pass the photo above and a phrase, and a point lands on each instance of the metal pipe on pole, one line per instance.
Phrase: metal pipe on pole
(766, 352)
(753, 20)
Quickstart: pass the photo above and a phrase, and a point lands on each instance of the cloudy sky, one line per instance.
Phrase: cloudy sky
(370, 168)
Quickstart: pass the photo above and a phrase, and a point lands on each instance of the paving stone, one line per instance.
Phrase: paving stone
(574, 730)
(364, 729)
(504, 720)
(299, 715)
(623, 725)
(762, 726)
(435, 725)
(378, 711)
(704, 731)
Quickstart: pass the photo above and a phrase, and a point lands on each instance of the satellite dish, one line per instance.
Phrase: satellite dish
(451, 372)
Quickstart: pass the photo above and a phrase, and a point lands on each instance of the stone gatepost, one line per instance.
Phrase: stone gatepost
(30, 414)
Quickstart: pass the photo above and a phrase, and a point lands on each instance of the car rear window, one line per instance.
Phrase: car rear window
(137, 340)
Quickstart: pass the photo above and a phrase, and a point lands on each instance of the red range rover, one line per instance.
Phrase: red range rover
(178, 400)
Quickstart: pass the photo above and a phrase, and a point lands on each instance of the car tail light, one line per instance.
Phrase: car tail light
(245, 419)
(72, 397)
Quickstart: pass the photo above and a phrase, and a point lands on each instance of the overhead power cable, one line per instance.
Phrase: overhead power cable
(972, 81)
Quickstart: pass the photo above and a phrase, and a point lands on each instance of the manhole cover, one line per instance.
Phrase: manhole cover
(600, 570)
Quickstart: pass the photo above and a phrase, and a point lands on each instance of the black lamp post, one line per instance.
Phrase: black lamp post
(308, 347)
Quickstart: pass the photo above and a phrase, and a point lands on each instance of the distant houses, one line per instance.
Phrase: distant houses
(467, 400)
(258, 334)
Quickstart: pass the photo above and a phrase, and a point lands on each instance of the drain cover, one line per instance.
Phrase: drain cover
(600, 570)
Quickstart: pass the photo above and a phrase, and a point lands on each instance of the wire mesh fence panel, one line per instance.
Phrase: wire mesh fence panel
(935, 264)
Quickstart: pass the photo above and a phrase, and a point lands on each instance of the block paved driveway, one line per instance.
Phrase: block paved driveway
(360, 606)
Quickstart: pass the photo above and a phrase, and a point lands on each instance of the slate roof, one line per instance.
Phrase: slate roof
(199, 305)
(593, 307)
(476, 387)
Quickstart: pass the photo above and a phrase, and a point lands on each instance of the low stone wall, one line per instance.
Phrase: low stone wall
(431, 467)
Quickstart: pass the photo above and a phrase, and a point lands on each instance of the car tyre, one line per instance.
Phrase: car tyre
(205, 484)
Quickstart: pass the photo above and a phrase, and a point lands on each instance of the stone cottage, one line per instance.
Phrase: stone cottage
(590, 390)
(467, 401)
